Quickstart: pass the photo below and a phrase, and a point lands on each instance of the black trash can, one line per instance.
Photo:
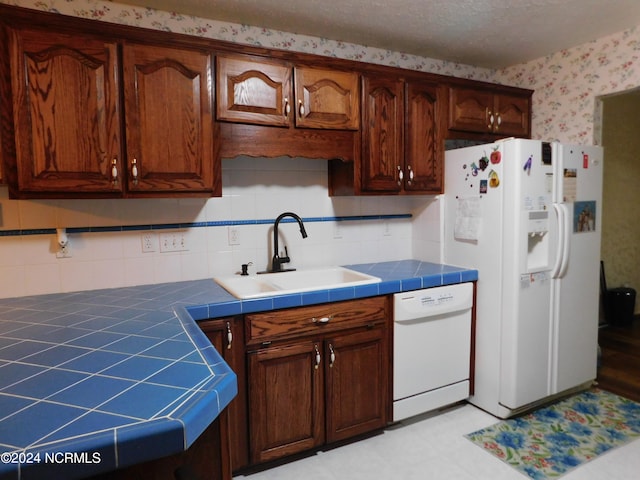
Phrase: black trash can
(620, 305)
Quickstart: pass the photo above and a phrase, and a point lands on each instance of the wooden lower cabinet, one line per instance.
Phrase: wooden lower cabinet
(357, 388)
(286, 400)
(328, 386)
(206, 458)
(227, 336)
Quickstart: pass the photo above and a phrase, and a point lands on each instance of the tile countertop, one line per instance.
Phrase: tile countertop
(124, 375)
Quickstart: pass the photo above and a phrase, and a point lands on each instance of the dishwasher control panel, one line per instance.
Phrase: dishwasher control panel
(432, 301)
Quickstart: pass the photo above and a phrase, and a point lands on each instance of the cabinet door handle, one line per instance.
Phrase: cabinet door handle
(410, 174)
(498, 121)
(332, 356)
(114, 171)
(400, 175)
(287, 107)
(134, 170)
(318, 358)
(322, 319)
(229, 336)
(300, 108)
(490, 118)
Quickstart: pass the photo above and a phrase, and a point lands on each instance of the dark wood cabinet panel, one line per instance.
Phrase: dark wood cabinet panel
(286, 400)
(80, 98)
(402, 147)
(382, 134)
(313, 320)
(489, 111)
(252, 91)
(514, 113)
(327, 98)
(424, 142)
(227, 337)
(274, 93)
(325, 384)
(357, 383)
(67, 117)
(169, 124)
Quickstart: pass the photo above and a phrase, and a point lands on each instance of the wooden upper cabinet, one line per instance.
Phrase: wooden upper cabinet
(382, 133)
(401, 141)
(489, 111)
(326, 99)
(424, 149)
(513, 113)
(66, 112)
(70, 132)
(262, 92)
(251, 91)
(169, 125)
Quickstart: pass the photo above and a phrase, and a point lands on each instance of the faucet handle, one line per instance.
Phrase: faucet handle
(284, 258)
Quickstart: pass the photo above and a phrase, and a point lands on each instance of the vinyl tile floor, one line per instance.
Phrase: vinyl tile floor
(433, 446)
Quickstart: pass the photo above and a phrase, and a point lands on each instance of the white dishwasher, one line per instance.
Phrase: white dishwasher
(432, 348)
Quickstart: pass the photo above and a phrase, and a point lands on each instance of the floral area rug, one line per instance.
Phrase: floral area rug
(551, 441)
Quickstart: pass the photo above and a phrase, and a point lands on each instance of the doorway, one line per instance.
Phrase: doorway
(620, 137)
(618, 126)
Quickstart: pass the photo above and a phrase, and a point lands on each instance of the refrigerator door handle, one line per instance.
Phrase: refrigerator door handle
(566, 241)
(557, 266)
(564, 245)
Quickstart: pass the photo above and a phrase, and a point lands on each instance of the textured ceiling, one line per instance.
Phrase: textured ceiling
(486, 33)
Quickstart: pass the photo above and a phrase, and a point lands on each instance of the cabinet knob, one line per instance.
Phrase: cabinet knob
(489, 117)
(498, 121)
(410, 174)
(287, 107)
(229, 336)
(134, 170)
(400, 175)
(322, 319)
(114, 171)
(332, 356)
(300, 108)
(318, 358)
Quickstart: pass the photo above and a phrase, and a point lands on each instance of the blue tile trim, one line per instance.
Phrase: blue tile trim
(217, 223)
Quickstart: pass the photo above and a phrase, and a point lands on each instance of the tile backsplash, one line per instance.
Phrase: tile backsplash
(106, 235)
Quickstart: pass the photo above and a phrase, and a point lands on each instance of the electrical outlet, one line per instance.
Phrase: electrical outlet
(233, 235)
(149, 242)
(386, 232)
(337, 231)
(173, 242)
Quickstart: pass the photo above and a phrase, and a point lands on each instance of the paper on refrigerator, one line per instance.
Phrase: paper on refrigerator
(468, 219)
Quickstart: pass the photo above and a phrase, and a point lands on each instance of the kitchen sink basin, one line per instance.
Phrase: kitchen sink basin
(296, 281)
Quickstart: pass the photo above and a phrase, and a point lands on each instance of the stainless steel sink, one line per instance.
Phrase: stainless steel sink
(269, 284)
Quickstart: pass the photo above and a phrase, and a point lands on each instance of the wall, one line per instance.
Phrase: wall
(567, 85)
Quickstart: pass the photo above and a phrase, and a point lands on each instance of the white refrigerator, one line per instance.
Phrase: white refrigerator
(527, 215)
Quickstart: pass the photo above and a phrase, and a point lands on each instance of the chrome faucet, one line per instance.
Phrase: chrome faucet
(277, 260)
